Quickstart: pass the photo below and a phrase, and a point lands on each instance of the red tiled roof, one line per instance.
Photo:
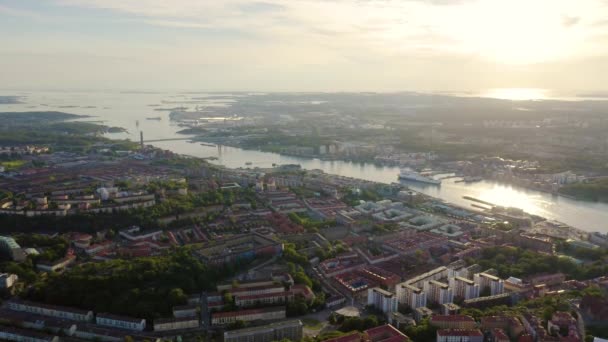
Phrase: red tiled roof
(452, 318)
(352, 337)
(500, 334)
(385, 333)
(459, 332)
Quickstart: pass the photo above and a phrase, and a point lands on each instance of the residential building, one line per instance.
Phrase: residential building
(122, 322)
(242, 247)
(135, 234)
(263, 314)
(27, 320)
(183, 311)
(291, 330)
(400, 320)
(383, 300)
(422, 313)
(166, 324)
(410, 295)
(485, 302)
(438, 292)
(246, 284)
(21, 335)
(11, 248)
(548, 279)
(385, 333)
(464, 288)
(269, 294)
(435, 274)
(459, 335)
(50, 310)
(499, 335)
(450, 309)
(57, 265)
(453, 322)
(484, 280)
(7, 280)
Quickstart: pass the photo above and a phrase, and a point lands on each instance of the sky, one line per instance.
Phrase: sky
(305, 45)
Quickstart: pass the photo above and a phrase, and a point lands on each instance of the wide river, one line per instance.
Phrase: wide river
(131, 110)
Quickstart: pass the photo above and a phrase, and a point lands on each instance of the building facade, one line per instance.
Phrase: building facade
(122, 322)
(382, 300)
(496, 285)
(291, 330)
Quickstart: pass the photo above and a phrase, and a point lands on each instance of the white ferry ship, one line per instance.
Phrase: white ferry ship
(411, 175)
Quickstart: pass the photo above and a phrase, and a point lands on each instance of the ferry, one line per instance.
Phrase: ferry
(410, 175)
(469, 179)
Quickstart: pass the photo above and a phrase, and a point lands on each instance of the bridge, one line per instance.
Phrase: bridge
(168, 139)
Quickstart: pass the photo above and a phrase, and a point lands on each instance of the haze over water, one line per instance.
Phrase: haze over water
(124, 109)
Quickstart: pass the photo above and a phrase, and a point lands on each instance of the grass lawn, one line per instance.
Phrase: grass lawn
(12, 164)
(311, 323)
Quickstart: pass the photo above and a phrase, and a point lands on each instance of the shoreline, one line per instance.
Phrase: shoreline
(312, 157)
(474, 209)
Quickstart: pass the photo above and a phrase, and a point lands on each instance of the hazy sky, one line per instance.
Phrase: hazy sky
(308, 45)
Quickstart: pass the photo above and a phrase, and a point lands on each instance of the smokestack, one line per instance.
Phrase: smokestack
(141, 139)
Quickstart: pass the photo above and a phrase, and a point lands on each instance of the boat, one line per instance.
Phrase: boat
(469, 179)
(158, 118)
(248, 163)
(410, 175)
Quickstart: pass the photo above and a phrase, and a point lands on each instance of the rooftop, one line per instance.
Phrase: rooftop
(119, 318)
(385, 333)
(452, 318)
(276, 325)
(459, 332)
(9, 241)
(51, 307)
(247, 312)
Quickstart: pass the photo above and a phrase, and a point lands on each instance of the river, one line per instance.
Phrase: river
(131, 111)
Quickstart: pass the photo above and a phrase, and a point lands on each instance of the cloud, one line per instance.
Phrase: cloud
(261, 7)
(308, 42)
(570, 21)
(19, 12)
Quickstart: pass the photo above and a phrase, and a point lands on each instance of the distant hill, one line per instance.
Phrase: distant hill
(9, 99)
(27, 118)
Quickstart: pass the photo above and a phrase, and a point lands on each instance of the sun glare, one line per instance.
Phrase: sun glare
(516, 94)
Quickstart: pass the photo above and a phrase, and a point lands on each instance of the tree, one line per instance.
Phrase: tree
(548, 313)
(177, 297)
(228, 299)
(301, 278)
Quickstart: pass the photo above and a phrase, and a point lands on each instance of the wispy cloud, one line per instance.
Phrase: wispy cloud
(568, 21)
(16, 12)
(261, 39)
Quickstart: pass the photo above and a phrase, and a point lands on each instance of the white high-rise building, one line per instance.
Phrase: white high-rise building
(438, 292)
(410, 295)
(464, 288)
(496, 285)
(382, 300)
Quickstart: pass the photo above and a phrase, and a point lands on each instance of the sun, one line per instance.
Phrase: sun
(516, 32)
